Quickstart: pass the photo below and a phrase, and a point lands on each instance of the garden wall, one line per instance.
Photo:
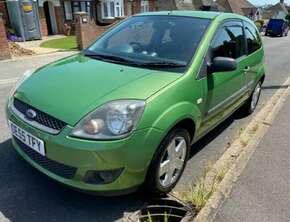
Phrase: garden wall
(86, 30)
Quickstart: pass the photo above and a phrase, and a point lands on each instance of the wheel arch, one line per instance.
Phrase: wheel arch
(184, 115)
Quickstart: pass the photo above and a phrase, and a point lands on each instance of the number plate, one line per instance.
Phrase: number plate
(28, 139)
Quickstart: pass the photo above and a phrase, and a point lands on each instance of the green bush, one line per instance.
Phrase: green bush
(288, 17)
(260, 23)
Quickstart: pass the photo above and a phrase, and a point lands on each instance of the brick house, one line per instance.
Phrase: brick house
(53, 14)
(3, 11)
(242, 7)
(278, 11)
(204, 5)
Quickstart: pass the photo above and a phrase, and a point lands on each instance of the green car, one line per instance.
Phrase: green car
(125, 112)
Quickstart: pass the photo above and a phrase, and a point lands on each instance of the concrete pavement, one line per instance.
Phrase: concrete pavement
(35, 45)
(262, 192)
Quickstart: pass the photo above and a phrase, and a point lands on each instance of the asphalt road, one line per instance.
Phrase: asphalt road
(27, 195)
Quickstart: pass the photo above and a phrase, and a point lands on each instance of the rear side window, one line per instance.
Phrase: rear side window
(229, 41)
(253, 38)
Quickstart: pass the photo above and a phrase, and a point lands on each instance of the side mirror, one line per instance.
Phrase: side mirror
(223, 64)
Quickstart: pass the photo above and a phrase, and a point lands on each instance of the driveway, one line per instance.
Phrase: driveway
(27, 195)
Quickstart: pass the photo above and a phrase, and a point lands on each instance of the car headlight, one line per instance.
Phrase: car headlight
(22, 79)
(113, 120)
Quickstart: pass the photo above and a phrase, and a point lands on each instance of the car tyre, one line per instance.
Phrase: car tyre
(168, 162)
(251, 104)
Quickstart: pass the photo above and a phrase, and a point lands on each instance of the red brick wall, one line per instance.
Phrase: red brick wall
(136, 6)
(86, 33)
(42, 22)
(4, 47)
(152, 5)
(4, 12)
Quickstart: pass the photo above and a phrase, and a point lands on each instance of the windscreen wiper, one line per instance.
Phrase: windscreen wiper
(121, 60)
(110, 58)
(164, 64)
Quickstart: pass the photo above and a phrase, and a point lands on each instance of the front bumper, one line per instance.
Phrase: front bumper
(133, 155)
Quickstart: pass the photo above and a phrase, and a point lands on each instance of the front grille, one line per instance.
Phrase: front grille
(59, 169)
(41, 117)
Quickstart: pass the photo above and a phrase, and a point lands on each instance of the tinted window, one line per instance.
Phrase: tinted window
(154, 38)
(253, 38)
(229, 42)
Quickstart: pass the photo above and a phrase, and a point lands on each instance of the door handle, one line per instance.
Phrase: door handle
(247, 69)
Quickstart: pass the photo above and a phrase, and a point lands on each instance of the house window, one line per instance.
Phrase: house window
(144, 6)
(67, 10)
(112, 9)
(71, 7)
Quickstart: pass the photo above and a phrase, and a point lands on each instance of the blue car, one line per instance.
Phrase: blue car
(277, 27)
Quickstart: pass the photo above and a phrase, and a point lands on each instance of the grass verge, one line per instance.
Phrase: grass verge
(66, 43)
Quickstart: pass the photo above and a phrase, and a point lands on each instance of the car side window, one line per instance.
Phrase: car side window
(253, 38)
(229, 42)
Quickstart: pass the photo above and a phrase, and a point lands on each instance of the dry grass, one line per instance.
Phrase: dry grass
(200, 192)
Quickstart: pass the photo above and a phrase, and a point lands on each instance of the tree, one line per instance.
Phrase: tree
(288, 17)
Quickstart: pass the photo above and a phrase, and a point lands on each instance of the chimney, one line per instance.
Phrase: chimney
(282, 1)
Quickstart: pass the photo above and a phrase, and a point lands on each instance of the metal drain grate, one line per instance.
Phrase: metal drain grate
(168, 209)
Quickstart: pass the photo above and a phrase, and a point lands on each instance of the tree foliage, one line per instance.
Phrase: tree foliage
(288, 17)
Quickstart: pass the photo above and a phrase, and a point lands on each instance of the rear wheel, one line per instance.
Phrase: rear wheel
(250, 106)
(169, 162)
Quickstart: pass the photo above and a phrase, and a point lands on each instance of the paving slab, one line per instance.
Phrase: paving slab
(35, 45)
(262, 192)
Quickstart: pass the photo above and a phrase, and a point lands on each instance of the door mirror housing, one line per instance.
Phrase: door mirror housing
(223, 64)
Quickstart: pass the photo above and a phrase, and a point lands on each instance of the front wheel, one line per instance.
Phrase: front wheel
(169, 162)
(250, 106)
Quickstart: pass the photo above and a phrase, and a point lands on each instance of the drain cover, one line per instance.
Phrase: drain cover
(168, 209)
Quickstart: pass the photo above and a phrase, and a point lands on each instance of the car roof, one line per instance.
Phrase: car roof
(196, 14)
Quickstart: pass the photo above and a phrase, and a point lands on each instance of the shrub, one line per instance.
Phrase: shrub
(288, 17)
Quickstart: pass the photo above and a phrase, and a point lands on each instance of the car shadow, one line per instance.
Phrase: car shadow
(212, 135)
(28, 195)
(274, 87)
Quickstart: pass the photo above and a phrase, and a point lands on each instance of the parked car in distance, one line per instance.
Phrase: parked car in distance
(277, 27)
(126, 111)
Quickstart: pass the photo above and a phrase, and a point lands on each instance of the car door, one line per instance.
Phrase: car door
(223, 90)
(255, 54)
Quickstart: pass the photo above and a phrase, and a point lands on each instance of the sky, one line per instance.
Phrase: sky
(263, 2)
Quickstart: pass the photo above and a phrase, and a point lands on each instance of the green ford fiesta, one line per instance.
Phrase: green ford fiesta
(125, 112)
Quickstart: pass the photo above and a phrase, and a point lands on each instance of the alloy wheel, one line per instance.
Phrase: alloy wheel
(256, 96)
(172, 161)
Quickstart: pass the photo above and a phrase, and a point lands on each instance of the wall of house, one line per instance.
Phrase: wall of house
(4, 47)
(130, 8)
(166, 5)
(152, 5)
(42, 22)
(3, 11)
(136, 6)
(59, 17)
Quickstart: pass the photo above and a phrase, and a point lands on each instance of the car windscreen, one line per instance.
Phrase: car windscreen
(151, 41)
